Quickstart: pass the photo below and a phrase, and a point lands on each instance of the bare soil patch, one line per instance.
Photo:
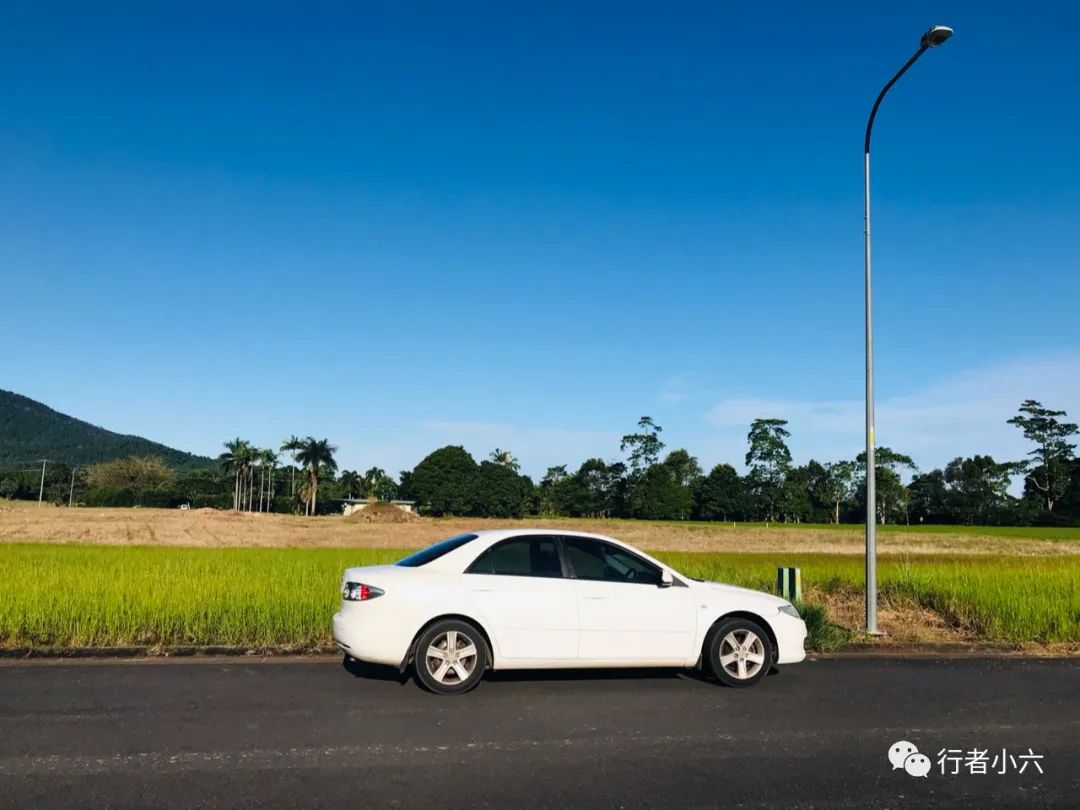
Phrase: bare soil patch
(901, 620)
(28, 522)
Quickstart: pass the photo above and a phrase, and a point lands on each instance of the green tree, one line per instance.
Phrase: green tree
(267, 459)
(204, 488)
(316, 456)
(928, 498)
(720, 495)
(237, 459)
(665, 491)
(834, 486)
(683, 467)
(769, 461)
(405, 488)
(891, 494)
(556, 492)
(658, 495)
(597, 489)
(644, 446)
(291, 446)
(500, 491)
(445, 481)
(351, 482)
(1047, 472)
(140, 475)
(377, 484)
(799, 496)
(1069, 505)
(977, 489)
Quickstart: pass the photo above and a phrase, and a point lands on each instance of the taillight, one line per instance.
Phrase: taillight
(359, 592)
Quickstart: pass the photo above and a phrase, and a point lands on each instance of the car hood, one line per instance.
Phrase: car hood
(720, 589)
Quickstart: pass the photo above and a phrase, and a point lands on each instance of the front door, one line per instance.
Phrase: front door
(625, 614)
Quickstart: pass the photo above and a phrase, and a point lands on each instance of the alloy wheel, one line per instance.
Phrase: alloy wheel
(742, 654)
(451, 658)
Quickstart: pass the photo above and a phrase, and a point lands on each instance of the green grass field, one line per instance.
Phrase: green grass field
(1065, 533)
(53, 595)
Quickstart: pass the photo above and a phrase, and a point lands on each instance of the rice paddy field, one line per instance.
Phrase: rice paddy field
(67, 595)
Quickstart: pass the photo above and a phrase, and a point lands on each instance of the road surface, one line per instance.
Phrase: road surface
(312, 733)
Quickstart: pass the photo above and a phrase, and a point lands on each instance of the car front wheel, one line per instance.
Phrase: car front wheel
(450, 657)
(739, 652)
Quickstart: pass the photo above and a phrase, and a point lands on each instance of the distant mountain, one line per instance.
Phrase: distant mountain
(31, 431)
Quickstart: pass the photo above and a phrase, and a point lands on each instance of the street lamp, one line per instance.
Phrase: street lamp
(931, 39)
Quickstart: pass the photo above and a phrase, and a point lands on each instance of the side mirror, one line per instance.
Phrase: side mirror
(666, 579)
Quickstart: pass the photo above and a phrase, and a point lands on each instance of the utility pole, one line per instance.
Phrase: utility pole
(71, 491)
(41, 491)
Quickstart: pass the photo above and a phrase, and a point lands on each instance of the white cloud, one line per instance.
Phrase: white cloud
(675, 390)
(961, 415)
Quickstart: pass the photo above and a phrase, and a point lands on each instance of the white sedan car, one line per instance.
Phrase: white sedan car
(545, 599)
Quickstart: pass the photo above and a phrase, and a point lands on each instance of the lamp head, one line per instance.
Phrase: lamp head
(936, 36)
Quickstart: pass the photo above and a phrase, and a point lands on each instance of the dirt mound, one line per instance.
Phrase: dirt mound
(381, 513)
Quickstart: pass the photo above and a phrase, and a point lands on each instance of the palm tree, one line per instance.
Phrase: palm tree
(269, 459)
(377, 483)
(262, 475)
(316, 456)
(351, 482)
(237, 459)
(504, 458)
(291, 446)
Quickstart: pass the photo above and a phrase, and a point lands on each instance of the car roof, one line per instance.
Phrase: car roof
(485, 538)
(495, 534)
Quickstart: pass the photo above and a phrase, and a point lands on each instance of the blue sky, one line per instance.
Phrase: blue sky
(527, 224)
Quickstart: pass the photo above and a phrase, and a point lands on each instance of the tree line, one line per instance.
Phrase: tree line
(646, 484)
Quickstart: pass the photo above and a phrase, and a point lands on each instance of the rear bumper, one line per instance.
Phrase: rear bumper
(790, 639)
(360, 635)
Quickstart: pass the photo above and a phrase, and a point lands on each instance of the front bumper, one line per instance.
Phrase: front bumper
(790, 639)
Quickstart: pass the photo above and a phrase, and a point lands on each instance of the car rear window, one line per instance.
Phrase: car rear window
(426, 555)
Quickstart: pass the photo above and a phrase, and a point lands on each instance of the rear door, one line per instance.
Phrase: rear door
(520, 588)
(626, 615)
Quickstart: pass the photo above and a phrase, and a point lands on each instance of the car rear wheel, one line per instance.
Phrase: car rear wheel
(739, 652)
(450, 657)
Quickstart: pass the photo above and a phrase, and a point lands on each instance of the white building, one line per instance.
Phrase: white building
(351, 506)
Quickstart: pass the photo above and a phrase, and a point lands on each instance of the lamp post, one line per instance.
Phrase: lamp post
(931, 39)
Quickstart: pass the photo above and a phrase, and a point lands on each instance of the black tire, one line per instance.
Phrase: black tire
(459, 673)
(746, 665)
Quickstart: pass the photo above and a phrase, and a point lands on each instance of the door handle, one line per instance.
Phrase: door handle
(595, 598)
(481, 590)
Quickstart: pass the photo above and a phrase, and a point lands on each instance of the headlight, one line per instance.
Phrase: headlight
(790, 611)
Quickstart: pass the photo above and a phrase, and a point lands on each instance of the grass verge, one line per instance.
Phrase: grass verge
(98, 596)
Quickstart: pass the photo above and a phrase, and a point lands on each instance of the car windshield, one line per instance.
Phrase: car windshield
(426, 555)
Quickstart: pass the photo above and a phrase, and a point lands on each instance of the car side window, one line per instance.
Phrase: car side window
(594, 560)
(534, 556)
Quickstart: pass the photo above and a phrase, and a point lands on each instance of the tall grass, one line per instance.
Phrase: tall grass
(99, 596)
(1063, 533)
(66, 595)
(998, 598)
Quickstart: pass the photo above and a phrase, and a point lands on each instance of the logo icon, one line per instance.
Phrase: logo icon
(917, 765)
(904, 755)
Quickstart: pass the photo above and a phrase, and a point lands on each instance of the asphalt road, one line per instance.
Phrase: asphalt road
(294, 734)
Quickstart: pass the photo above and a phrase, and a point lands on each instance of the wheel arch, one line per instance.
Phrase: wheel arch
(757, 618)
(410, 653)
